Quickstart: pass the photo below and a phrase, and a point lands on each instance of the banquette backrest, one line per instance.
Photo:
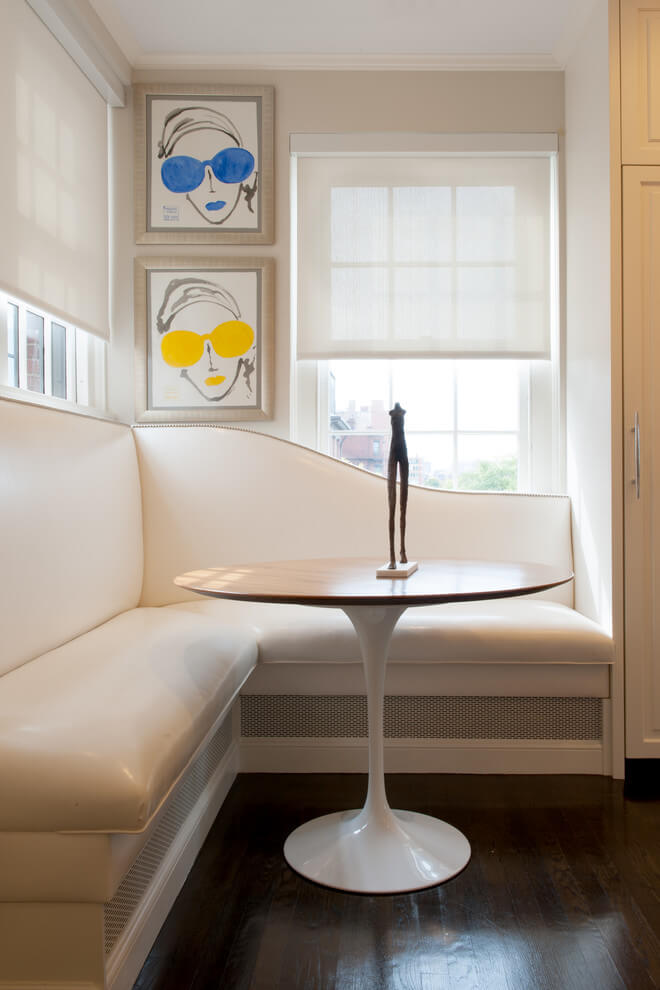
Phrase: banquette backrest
(88, 529)
(222, 495)
(70, 527)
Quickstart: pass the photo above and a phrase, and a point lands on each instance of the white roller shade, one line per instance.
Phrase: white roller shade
(53, 175)
(423, 255)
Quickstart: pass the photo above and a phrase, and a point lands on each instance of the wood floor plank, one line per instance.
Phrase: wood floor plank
(597, 960)
(562, 893)
(489, 914)
(419, 960)
(625, 930)
(364, 956)
(275, 945)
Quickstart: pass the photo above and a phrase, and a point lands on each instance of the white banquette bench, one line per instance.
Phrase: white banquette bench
(117, 743)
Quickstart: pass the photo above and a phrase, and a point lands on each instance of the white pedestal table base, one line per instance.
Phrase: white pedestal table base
(349, 851)
(376, 850)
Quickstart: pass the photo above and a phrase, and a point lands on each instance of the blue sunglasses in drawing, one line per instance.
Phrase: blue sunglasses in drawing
(182, 173)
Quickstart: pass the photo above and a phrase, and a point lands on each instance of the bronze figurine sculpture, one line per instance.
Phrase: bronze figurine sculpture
(398, 457)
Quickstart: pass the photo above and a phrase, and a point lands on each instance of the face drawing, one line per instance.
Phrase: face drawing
(215, 355)
(204, 161)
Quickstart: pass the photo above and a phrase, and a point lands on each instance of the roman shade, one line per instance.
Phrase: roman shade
(411, 246)
(53, 176)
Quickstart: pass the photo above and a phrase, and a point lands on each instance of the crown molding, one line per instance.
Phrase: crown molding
(77, 37)
(386, 62)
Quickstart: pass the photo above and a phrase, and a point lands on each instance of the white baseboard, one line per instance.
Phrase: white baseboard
(415, 756)
(123, 964)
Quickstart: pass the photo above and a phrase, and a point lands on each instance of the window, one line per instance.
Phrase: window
(429, 279)
(54, 313)
(464, 428)
(50, 358)
(54, 189)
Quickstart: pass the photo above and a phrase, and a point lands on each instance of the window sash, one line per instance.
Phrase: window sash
(71, 364)
(531, 476)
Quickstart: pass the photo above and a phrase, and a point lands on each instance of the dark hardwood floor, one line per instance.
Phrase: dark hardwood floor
(562, 893)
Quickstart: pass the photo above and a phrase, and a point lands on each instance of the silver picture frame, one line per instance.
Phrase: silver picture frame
(204, 339)
(203, 164)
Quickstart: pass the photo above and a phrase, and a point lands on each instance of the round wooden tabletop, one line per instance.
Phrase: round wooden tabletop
(352, 581)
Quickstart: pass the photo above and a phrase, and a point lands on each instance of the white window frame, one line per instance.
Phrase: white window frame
(86, 363)
(540, 466)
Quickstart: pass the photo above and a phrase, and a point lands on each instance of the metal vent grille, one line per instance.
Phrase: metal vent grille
(422, 717)
(118, 911)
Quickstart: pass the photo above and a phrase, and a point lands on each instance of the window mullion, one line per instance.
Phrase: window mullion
(390, 282)
(48, 356)
(71, 384)
(454, 266)
(22, 348)
(4, 341)
(455, 423)
(524, 427)
(323, 405)
(390, 263)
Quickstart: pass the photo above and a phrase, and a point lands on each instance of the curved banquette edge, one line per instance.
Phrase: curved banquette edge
(227, 495)
(116, 687)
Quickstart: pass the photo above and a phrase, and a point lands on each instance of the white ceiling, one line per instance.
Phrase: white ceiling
(519, 33)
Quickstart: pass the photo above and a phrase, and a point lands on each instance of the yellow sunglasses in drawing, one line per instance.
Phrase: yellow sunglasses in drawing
(216, 364)
(184, 348)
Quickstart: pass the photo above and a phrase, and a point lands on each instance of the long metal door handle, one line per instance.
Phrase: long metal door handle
(636, 433)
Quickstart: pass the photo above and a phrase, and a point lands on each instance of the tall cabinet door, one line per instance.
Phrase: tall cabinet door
(641, 321)
(640, 82)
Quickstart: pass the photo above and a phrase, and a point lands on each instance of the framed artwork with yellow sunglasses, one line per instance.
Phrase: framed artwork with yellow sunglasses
(204, 164)
(204, 339)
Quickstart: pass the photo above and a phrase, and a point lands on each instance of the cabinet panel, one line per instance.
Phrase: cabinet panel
(640, 82)
(641, 333)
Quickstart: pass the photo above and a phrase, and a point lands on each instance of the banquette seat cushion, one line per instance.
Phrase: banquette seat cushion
(96, 733)
(507, 630)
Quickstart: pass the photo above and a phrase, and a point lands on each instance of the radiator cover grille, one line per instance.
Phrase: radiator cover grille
(118, 911)
(422, 717)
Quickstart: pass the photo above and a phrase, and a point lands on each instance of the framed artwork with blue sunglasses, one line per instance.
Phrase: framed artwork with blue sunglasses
(204, 164)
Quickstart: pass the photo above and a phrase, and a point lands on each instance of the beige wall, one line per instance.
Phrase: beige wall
(588, 395)
(320, 101)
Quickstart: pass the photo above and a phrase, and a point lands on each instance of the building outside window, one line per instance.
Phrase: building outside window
(463, 429)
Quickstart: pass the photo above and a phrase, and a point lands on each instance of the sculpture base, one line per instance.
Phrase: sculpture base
(400, 571)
